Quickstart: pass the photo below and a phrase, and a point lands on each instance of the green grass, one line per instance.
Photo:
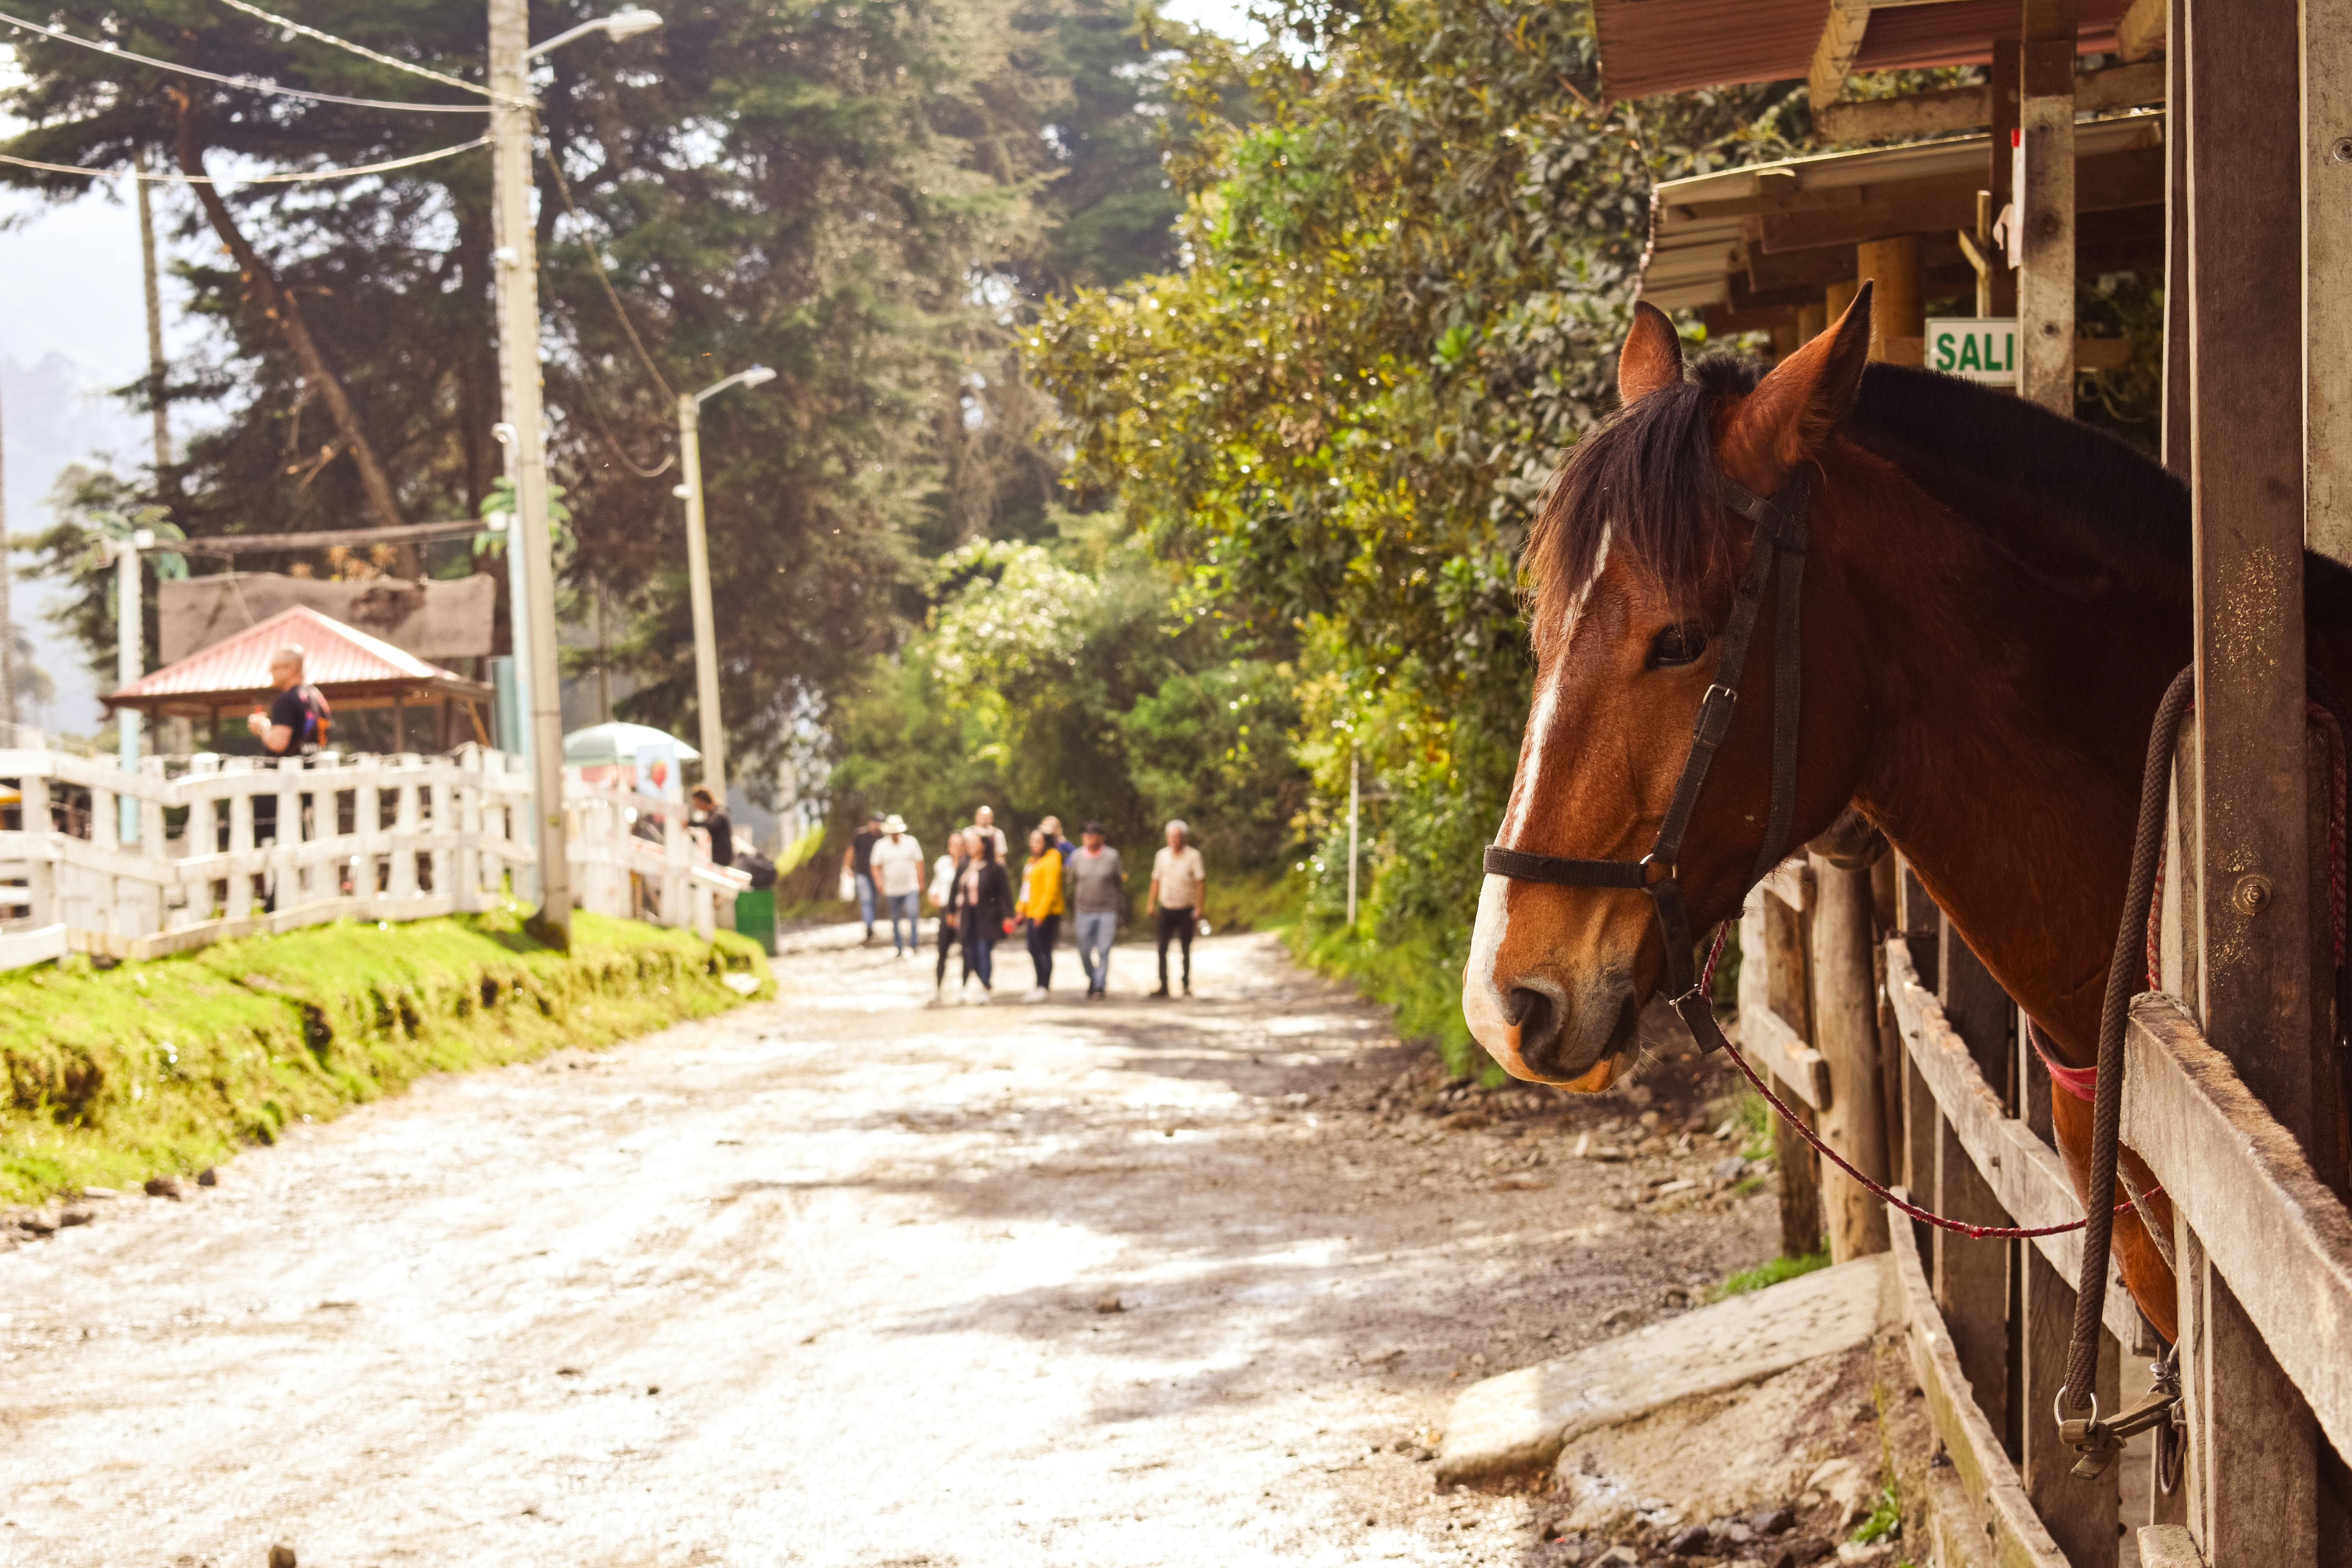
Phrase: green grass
(1885, 1519)
(114, 1075)
(1255, 900)
(1770, 1272)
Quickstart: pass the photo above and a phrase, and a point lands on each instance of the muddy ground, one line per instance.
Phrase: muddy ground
(840, 1279)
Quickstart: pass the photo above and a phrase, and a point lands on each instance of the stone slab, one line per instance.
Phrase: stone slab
(1521, 1420)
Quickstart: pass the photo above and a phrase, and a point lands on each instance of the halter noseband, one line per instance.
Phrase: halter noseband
(1779, 529)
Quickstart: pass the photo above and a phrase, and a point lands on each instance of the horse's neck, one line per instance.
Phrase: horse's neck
(2009, 715)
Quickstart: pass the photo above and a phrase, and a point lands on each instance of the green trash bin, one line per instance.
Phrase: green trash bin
(755, 917)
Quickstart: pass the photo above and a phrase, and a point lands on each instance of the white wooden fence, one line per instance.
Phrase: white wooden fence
(228, 846)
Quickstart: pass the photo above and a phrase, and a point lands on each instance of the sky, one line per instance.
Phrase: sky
(75, 324)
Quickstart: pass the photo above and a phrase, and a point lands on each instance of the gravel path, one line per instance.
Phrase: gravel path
(842, 1279)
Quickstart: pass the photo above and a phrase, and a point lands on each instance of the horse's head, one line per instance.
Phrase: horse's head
(1635, 561)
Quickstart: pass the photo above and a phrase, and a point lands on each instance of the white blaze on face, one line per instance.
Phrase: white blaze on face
(1548, 702)
(1482, 996)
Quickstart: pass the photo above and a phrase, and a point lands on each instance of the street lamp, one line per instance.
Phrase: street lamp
(512, 53)
(698, 573)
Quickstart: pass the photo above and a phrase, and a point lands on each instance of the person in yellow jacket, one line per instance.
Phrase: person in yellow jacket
(1041, 906)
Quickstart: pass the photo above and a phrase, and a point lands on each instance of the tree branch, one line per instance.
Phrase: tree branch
(279, 305)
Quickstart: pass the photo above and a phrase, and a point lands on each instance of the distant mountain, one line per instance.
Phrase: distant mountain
(54, 413)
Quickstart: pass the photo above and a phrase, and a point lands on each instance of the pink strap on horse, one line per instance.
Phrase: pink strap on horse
(2083, 1083)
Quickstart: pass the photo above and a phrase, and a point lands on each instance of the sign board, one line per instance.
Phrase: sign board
(1974, 348)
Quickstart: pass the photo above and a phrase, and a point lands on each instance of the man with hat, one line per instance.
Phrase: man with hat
(898, 870)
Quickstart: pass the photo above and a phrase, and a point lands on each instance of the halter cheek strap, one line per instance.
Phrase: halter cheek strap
(1779, 540)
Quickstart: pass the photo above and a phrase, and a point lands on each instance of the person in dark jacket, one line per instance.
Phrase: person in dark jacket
(717, 824)
(984, 910)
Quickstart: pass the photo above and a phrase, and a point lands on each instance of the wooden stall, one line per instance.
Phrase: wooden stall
(2234, 1086)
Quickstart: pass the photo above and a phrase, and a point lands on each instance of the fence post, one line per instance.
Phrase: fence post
(403, 828)
(41, 869)
(106, 837)
(1845, 1031)
(468, 884)
(2081, 1514)
(367, 826)
(287, 853)
(240, 840)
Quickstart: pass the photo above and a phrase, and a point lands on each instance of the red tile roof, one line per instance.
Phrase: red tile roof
(334, 656)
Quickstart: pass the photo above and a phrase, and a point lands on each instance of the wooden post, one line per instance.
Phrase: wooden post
(240, 842)
(367, 823)
(2045, 282)
(403, 830)
(1971, 1276)
(2255, 1446)
(289, 835)
(1845, 1031)
(2081, 1515)
(1898, 320)
(1810, 320)
(2327, 276)
(1979, 1010)
(1801, 1189)
(41, 869)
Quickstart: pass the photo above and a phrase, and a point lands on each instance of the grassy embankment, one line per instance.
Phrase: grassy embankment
(166, 1066)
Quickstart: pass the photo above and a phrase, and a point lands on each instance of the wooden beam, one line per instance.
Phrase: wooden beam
(1845, 1032)
(2327, 276)
(2276, 1232)
(1957, 109)
(2107, 183)
(1833, 55)
(2142, 30)
(2045, 280)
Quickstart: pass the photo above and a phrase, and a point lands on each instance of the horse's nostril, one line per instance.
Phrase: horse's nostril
(1537, 1020)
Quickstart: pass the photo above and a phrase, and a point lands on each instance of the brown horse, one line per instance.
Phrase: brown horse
(1994, 601)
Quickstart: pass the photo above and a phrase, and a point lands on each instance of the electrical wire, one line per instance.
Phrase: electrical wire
(361, 50)
(245, 83)
(314, 177)
(563, 189)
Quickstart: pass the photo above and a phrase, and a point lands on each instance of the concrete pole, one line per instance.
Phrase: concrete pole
(155, 365)
(1845, 1031)
(127, 663)
(519, 376)
(697, 579)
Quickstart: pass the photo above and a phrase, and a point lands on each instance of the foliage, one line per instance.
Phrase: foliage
(1886, 1521)
(1410, 263)
(114, 1075)
(866, 197)
(1770, 1272)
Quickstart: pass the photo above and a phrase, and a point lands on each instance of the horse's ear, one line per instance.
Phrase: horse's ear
(1652, 357)
(1792, 412)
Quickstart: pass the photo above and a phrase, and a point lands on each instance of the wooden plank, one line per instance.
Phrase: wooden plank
(2280, 1237)
(2168, 1546)
(1771, 1043)
(2081, 1514)
(21, 949)
(2327, 276)
(1834, 52)
(2006, 84)
(2244, 134)
(2175, 443)
(1845, 1032)
(1959, 109)
(1971, 1277)
(2026, 1175)
(1976, 1007)
(2107, 183)
(2017, 1536)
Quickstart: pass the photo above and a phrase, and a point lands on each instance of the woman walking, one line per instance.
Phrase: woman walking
(984, 910)
(1041, 906)
(944, 876)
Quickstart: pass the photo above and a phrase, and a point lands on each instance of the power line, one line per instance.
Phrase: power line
(244, 83)
(564, 190)
(314, 177)
(363, 52)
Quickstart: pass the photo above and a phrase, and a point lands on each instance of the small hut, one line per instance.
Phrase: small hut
(432, 709)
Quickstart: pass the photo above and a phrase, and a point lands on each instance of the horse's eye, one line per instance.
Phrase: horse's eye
(1677, 646)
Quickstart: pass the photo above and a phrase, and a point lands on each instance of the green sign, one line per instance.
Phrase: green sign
(1975, 348)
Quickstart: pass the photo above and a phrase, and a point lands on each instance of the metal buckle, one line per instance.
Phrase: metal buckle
(1656, 873)
(1713, 719)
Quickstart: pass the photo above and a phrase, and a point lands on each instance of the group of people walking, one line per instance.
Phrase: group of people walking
(972, 891)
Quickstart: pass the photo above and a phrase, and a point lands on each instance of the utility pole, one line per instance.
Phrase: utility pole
(698, 581)
(155, 367)
(519, 376)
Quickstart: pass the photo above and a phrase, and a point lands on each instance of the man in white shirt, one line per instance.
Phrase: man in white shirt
(898, 875)
(1179, 895)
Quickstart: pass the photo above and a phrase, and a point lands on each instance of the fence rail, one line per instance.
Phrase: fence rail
(188, 851)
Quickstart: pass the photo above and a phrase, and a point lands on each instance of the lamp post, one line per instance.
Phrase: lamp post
(698, 573)
(512, 53)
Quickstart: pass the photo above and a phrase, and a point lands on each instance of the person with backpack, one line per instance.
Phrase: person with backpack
(299, 717)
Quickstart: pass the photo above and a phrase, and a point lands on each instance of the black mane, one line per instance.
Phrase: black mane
(1645, 477)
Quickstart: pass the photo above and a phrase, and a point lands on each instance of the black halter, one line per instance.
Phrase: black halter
(1780, 530)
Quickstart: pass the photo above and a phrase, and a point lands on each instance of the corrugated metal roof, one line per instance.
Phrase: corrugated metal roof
(333, 655)
(1674, 45)
(1692, 239)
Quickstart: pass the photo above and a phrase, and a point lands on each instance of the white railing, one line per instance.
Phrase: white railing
(228, 846)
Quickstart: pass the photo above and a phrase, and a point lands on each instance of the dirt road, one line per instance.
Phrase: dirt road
(840, 1280)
